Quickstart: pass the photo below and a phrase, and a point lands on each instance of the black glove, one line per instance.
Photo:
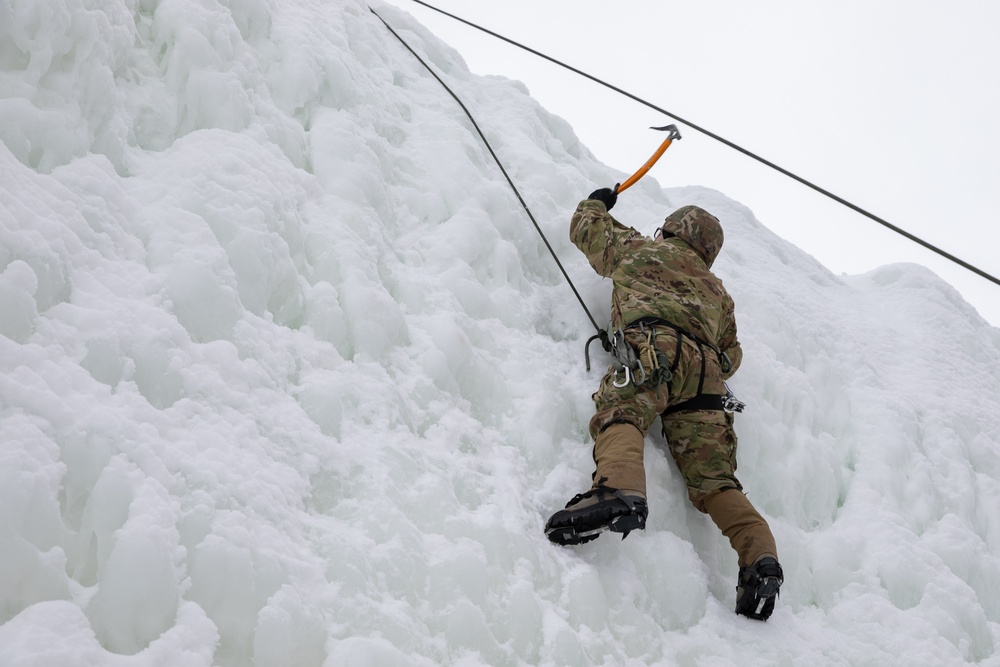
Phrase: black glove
(606, 195)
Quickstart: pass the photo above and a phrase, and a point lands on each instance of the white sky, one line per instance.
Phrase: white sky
(891, 105)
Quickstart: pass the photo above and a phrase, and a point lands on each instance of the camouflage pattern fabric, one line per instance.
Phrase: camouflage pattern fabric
(701, 442)
(703, 445)
(669, 279)
(699, 229)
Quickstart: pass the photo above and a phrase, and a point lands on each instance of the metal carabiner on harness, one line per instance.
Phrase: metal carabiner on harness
(730, 403)
(627, 360)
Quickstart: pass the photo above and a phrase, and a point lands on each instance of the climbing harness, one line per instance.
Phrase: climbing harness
(730, 144)
(724, 361)
(725, 403)
(644, 364)
(639, 364)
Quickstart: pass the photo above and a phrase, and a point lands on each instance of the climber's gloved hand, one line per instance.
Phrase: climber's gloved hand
(606, 195)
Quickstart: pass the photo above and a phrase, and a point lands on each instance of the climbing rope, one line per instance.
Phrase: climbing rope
(499, 164)
(728, 143)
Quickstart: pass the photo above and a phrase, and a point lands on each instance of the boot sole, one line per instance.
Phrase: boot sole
(567, 535)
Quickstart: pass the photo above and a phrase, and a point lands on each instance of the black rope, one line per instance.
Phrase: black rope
(735, 147)
(499, 164)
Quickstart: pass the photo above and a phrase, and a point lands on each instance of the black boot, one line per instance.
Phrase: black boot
(588, 514)
(758, 587)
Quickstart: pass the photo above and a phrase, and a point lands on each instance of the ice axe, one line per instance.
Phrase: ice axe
(673, 133)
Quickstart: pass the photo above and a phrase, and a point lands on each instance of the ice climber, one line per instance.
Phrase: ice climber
(675, 342)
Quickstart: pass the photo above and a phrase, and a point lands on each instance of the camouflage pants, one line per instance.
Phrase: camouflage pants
(701, 442)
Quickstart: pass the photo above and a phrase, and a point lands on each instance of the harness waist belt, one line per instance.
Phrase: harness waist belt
(659, 321)
(724, 361)
(700, 402)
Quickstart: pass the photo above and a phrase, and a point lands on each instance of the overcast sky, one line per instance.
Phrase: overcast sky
(891, 105)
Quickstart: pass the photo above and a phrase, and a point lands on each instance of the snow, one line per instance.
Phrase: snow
(288, 377)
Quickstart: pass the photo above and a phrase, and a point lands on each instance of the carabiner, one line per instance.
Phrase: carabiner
(642, 370)
(628, 378)
(730, 403)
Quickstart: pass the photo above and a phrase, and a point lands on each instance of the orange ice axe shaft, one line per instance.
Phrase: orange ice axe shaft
(674, 133)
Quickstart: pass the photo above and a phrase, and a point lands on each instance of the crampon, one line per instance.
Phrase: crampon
(600, 509)
(757, 589)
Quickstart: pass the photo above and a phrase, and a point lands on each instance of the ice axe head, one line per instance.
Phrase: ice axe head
(674, 133)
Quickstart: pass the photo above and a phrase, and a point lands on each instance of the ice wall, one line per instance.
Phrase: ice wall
(289, 378)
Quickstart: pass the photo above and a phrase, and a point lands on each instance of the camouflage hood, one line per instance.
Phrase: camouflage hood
(699, 229)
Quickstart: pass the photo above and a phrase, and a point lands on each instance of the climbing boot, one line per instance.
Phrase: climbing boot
(757, 588)
(601, 508)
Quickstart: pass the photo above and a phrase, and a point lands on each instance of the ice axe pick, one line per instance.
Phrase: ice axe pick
(672, 134)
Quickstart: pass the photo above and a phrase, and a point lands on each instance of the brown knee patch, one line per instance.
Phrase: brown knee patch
(618, 453)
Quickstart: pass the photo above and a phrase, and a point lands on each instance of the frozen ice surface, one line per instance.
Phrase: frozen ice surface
(288, 378)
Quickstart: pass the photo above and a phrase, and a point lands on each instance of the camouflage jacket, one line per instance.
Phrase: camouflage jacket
(669, 279)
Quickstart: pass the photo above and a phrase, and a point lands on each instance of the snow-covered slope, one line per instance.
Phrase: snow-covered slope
(288, 377)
